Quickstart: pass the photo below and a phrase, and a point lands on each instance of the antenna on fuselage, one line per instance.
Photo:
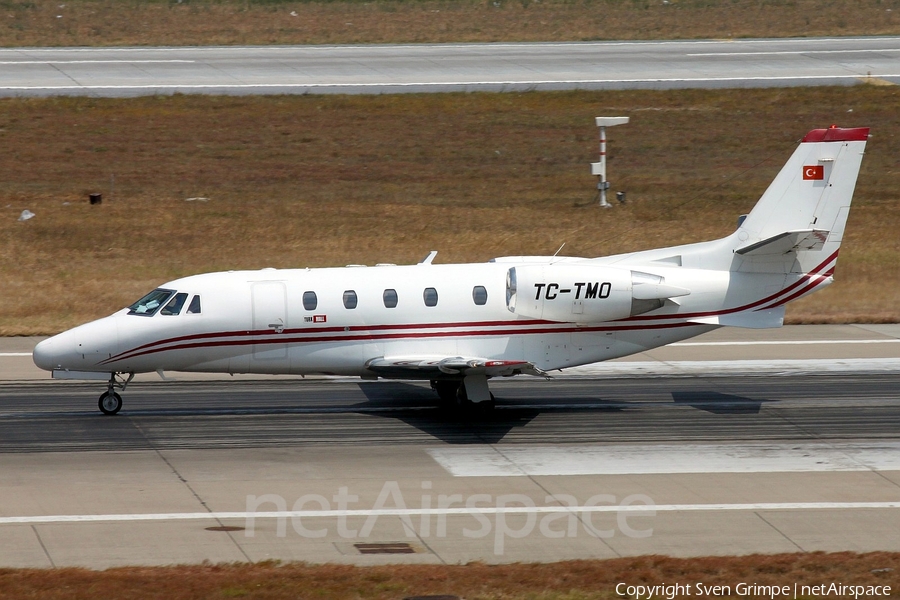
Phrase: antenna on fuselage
(427, 260)
(557, 252)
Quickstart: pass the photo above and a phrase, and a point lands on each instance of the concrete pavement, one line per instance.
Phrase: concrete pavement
(543, 497)
(381, 69)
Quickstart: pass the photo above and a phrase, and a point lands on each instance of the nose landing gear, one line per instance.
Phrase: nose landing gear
(111, 402)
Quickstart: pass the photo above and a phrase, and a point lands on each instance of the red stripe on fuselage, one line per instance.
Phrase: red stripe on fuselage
(752, 305)
(276, 338)
(314, 335)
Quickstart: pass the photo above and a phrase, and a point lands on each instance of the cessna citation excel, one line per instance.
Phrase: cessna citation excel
(460, 325)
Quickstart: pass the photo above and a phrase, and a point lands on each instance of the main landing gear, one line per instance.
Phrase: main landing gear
(111, 402)
(452, 393)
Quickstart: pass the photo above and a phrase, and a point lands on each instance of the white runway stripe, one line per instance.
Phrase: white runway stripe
(444, 84)
(728, 368)
(92, 62)
(644, 459)
(488, 510)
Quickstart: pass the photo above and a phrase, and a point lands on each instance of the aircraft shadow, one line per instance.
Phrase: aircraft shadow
(419, 407)
(719, 403)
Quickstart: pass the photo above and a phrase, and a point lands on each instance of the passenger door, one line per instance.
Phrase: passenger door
(269, 305)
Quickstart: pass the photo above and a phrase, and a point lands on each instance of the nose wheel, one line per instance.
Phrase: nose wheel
(110, 403)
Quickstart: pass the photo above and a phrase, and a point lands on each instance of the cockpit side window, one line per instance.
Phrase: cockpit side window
(175, 305)
(194, 308)
(149, 304)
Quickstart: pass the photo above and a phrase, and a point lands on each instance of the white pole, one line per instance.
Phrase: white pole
(603, 202)
(599, 168)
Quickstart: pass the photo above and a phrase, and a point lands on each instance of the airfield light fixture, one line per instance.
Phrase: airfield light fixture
(599, 168)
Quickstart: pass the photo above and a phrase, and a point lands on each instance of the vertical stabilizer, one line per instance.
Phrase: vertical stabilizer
(798, 223)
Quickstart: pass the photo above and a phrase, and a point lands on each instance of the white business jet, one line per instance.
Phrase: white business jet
(460, 325)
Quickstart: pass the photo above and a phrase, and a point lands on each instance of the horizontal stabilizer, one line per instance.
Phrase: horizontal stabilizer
(784, 243)
(748, 319)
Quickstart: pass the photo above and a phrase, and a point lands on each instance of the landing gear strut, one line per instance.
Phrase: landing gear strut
(111, 402)
(452, 393)
(446, 390)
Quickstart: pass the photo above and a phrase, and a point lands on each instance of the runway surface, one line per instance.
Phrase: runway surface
(214, 415)
(673, 454)
(121, 72)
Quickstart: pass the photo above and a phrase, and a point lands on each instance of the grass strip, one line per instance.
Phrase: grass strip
(241, 22)
(297, 181)
(570, 580)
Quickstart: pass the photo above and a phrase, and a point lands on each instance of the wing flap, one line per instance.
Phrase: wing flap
(429, 367)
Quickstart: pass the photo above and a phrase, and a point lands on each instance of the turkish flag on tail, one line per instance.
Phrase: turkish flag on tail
(814, 172)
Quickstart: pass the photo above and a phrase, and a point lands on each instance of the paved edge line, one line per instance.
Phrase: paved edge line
(489, 510)
(447, 84)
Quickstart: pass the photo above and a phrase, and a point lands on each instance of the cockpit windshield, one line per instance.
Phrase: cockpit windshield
(175, 304)
(149, 304)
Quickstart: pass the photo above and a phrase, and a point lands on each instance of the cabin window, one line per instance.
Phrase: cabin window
(350, 299)
(149, 304)
(310, 301)
(194, 307)
(430, 296)
(479, 295)
(390, 298)
(175, 305)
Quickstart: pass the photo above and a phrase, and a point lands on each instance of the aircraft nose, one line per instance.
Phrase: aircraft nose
(45, 354)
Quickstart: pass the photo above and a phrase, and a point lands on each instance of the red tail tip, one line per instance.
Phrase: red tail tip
(838, 134)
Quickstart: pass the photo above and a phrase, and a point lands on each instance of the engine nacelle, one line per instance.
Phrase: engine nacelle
(583, 293)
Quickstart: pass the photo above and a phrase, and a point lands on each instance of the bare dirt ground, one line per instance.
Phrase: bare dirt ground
(573, 580)
(229, 22)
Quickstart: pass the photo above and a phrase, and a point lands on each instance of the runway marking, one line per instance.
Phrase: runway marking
(647, 459)
(778, 52)
(90, 62)
(461, 511)
(400, 84)
(728, 368)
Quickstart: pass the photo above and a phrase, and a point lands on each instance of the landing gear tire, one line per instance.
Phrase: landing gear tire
(446, 390)
(110, 403)
(467, 406)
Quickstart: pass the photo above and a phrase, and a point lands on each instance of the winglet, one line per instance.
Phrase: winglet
(427, 260)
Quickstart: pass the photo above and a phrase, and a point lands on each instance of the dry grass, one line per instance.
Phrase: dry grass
(203, 22)
(572, 580)
(312, 181)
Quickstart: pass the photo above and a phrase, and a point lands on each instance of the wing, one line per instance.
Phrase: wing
(432, 367)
